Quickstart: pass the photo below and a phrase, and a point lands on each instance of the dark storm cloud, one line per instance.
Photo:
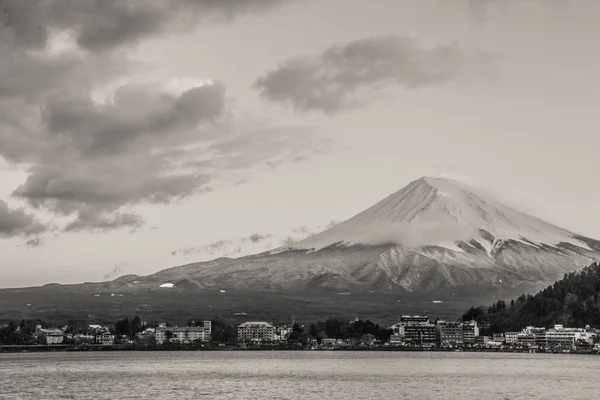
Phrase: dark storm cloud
(100, 25)
(330, 81)
(92, 160)
(17, 222)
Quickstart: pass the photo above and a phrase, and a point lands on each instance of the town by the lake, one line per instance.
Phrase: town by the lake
(412, 332)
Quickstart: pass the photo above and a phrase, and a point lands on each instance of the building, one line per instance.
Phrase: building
(83, 338)
(207, 330)
(397, 329)
(470, 332)
(282, 333)
(414, 320)
(482, 340)
(147, 334)
(538, 335)
(183, 334)
(498, 337)
(568, 337)
(421, 334)
(417, 329)
(450, 333)
(256, 332)
(511, 337)
(526, 339)
(328, 342)
(52, 336)
(397, 339)
(105, 339)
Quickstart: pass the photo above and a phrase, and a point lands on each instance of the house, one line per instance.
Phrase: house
(282, 333)
(147, 334)
(328, 342)
(52, 336)
(83, 338)
(256, 332)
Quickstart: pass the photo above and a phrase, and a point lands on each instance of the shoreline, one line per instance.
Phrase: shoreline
(87, 348)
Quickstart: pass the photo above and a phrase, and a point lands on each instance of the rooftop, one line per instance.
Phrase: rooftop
(255, 324)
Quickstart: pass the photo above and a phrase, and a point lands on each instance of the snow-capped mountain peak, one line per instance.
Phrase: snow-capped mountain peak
(440, 212)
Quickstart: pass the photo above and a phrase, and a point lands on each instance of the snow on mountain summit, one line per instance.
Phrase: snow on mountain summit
(440, 212)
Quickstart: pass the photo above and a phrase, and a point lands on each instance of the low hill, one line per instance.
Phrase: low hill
(571, 301)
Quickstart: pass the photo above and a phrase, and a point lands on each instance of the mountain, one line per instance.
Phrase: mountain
(433, 242)
(433, 234)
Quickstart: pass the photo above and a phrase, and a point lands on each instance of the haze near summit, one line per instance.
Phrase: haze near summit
(137, 138)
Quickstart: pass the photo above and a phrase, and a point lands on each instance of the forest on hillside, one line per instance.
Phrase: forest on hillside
(573, 301)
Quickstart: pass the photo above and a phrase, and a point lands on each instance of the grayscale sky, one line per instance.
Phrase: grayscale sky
(140, 135)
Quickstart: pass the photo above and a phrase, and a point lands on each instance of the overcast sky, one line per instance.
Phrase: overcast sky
(139, 135)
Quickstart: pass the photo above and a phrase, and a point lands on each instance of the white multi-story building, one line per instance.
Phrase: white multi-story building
(256, 332)
(184, 334)
(561, 336)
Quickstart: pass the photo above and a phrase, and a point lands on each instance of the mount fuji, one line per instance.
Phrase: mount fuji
(434, 239)
(434, 233)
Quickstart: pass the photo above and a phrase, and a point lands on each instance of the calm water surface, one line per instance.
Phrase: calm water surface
(298, 375)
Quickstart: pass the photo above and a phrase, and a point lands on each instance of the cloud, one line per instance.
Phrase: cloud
(303, 232)
(249, 244)
(116, 271)
(337, 78)
(410, 236)
(225, 248)
(96, 136)
(17, 222)
(102, 25)
(257, 237)
(482, 10)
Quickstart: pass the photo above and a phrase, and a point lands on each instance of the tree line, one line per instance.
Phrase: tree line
(573, 301)
(340, 329)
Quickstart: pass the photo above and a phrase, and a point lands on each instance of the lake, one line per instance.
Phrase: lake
(297, 375)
